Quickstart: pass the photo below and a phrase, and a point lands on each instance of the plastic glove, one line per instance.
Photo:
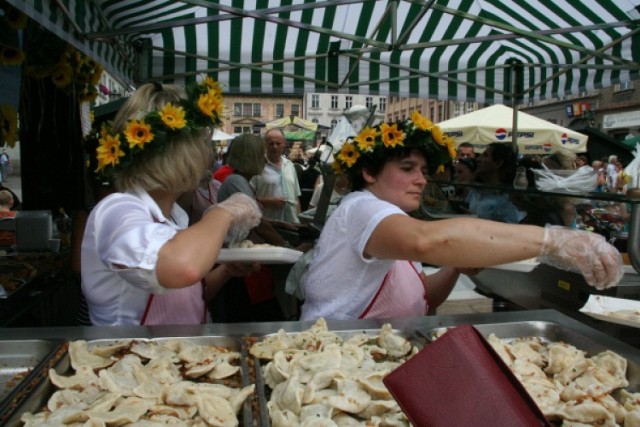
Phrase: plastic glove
(245, 214)
(582, 252)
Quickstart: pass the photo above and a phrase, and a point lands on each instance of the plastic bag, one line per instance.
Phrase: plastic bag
(633, 169)
(570, 181)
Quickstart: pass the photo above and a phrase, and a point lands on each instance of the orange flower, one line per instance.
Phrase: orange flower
(348, 154)
(109, 151)
(367, 139)
(138, 133)
(391, 135)
(173, 116)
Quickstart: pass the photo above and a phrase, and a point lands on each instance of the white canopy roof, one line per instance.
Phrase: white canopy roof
(494, 124)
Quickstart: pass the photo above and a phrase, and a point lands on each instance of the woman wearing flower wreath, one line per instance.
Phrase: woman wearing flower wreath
(367, 260)
(141, 263)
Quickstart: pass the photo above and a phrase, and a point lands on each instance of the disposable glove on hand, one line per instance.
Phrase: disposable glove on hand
(582, 252)
(245, 212)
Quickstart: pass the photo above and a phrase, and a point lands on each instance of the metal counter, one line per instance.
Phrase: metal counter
(409, 325)
(550, 288)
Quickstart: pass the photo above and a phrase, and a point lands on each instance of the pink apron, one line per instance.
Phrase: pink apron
(183, 306)
(401, 294)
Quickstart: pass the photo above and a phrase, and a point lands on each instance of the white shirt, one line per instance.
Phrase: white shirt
(341, 282)
(122, 238)
(279, 182)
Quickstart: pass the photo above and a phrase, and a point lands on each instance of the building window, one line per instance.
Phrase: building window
(469, 107)
(369, 102)
(247, 109)
(237, 109)
(432, 113)
(257, 110)
(334, 102)
(382, 105)
(237, 129)
(315, 120)
(622, 86)
(295, 109)
(334, 123)
(315, 101)
(348, 102)
(279, 111)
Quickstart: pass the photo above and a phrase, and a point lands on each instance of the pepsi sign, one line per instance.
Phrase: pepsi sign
(563, 138)
(501, 134)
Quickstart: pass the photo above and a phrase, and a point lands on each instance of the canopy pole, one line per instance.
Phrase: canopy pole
(515, 75)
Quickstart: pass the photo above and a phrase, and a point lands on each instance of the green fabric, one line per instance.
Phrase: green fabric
(438, 50)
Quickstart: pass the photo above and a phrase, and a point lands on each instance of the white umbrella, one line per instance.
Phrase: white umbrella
(494, 124)
(218, 135)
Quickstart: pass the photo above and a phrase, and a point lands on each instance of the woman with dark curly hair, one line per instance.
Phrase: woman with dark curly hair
(367, 263)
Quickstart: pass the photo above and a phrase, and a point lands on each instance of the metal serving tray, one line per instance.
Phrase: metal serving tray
(20, 362)
(262, 388)
(41, 394)
(550, 331)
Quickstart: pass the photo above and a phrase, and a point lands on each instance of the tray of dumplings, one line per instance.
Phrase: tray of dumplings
(181, 381)
(572, 378)
(337, 376)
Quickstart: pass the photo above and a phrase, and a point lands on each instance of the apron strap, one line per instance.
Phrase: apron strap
(146, 310)
(375, 297)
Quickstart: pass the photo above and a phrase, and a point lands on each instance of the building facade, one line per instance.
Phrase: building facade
(326, 108)
(249, 113)
(435, 110)
(614, 110)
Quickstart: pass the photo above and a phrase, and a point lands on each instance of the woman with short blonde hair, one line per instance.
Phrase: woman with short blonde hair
(141, 263)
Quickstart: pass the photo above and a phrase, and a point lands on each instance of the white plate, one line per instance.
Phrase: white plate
(605, 308)
(524, 266)
(274, 255)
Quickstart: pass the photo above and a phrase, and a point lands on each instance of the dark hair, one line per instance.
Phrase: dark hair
(374, 165)
(469, 162)
(501, 152)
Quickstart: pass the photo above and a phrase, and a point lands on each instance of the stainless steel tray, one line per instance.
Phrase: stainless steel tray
(41, 394)
(555, 332)
(20, 360)
(263, 390)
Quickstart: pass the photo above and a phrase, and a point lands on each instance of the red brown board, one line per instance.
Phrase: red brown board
(459, 380)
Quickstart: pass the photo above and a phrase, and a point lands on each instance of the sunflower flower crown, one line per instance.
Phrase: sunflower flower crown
(201, 109)
(379, 142)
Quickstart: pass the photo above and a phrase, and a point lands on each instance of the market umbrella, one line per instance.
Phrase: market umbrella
(495, 124)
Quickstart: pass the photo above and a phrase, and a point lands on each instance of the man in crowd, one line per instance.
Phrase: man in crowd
(466, 150)
(277, 189)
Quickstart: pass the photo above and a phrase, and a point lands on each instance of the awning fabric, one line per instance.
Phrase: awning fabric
(485, 50)
(495, 124)
(292, 120)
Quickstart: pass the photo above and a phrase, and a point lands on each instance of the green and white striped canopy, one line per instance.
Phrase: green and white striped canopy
(484, 50)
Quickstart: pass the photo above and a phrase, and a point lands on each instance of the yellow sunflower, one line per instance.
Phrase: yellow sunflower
(109, 151)
(61, 75)
(209, 104)
(367, 139)
(8, 125)
(391, 135)
(348, 154)
(173, 116)
(138, 133)
(438, 135)
(213, 85)
(16, 19)
(421, 122)
(11, 56)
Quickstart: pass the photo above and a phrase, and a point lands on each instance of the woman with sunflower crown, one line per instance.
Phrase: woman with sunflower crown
(367, 262)
(141, 263)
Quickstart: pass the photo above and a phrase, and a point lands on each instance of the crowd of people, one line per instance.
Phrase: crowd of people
(149, 249)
